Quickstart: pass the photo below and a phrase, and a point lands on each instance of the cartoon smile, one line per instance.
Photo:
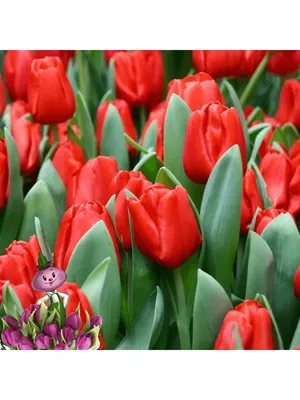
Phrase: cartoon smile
(50, 283)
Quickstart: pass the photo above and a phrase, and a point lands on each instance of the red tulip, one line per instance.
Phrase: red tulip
(157, 114)
(284, 62)
(2, 97)
(282, 181)
(62, 130)
(254, 325)
(196, 90)
(252, 59)
(64, 55)
(158, 231)
(297, 283)
(264, 217)
(75, 222)
(27, 136)
(251, 199)
(289, 104)
(50, 95)
(294, 154)
(126, 117)
(136, 183)
(210, 133)
(17, 65)
(91, 181)
(23, 292)
(76, 297)
(3, 173)
(108, 54)
(102, 343)
(139, 76)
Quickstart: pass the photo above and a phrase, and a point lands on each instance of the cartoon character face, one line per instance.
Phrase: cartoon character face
(48, 279)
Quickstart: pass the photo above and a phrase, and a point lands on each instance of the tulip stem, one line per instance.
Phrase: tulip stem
(143, 118)
(254, 79)
(54, 128)
(182, 320)
(135, 144)
(81, 72)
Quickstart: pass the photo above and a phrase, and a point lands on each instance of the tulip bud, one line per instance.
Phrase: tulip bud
(11, 322)
(11, 337)
(61, 346)
(2, 97)
(96, 320)
(289, 105)
(42, 341)
(26, 344)
(67, 334)
(51, 330)
(37, 309)
(264, 217)
(73, 321)
(83, 341)
(25, 316)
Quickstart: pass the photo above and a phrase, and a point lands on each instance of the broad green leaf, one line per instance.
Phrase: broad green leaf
(151, 137)
(236, 103)
(103, 289)
(57, 189)
(254, 130)
(86, 127)
(261, 186)
(113, 142)
(111, 85)
(278, 147)
(283, 238)
(220, 217)
(43, 242)
(11, 301)
(106, 97)
(291, 134)
(296, 338)
(110, 205)
(39, 203)
(147, 326)
(278, 136)
(210, 307)
(98, 245)
(174, 136)
(258, 141)
(15, 206)
(149, 165)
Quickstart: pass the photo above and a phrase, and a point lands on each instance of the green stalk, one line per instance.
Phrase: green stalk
(134, 144)
(182, 320)
(254, 79)
(81, 72)
(143, 118)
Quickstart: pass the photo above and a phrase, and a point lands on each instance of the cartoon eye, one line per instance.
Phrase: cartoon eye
(44, 278)
(53, 275)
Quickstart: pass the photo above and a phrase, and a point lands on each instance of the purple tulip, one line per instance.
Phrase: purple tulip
(61, 346)
(68, 334)
(83, 341)
(26, 344)
(96, 320)
(51, 330)
(11, 322)
(42, 341)
(11, 337)
(73, 321)
(36, 307)
(25, 316)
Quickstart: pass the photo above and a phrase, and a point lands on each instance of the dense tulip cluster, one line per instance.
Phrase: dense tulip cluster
(169, 201)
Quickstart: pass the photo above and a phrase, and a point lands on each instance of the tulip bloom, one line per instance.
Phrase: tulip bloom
(67, 335)
(64, 55)
(11, 337)
(51, 330)
(282, 180)
(61, 346)
(11, 322)
(27, 136)
(139, 76)
(264, 217)
(50, 95)
(254, 325)
(251, 200)
(83, 341)
(42, 341)
(108, 54)
(22, 290)
(284, 62)
(96, 320)
(2, 97)
(196, 90)
(73, 321)
(91, 182)
(297, 283)
(158, 232)
(289, 104)
(210, 133)
(75, 222)
(126, 117)
(26, 344)
(3, 173)
(157, 114)
(17, 65)
(136, 183)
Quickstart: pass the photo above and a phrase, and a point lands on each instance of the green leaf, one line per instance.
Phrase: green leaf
(15, 206)
(103, 289)
(290, 133)
(261, 186)
(147, 326)
(278, 147)
(296, 338)
(258, 141)
(256, 115)
(210, 307)
(111, 85)
(149, 165)
(174, 136)
(220, 217)
(113, 142)
(108, 96)
(237, 337)
(86, 127)
(11, 301)
(39, 203)
(98, 245)
(42, 260)
(151, 137)
(254, 130)
(50, 177)
(283, 238)
(44, 245)
(236, 103)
